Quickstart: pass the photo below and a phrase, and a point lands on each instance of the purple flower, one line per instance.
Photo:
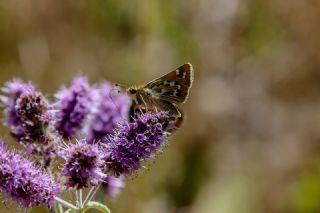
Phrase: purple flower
(26, 111)
(31, 107)
(23, 182)
(13, 89)
(112, 186)
(27, 115)
(72, 107)
(44, 153)
(83, 166)
(112, 108)
(32, 110)
(136, 141)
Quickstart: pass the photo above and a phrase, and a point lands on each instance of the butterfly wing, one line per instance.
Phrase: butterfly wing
(173, 87)
(176, 115)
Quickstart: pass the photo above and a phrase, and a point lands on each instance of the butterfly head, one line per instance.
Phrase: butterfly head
(132, 91)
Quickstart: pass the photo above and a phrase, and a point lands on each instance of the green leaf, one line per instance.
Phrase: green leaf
(96, 205)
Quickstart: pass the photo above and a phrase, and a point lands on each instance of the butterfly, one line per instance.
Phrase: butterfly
(166, 93)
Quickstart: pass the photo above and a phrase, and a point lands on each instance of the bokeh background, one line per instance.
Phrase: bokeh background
(251, 139)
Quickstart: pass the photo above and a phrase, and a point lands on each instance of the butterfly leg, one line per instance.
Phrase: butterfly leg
(147, 105)
(137, 108)
(133, 111)
(154, 106)
(142, 100)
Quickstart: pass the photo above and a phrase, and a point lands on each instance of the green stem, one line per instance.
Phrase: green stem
(86, 200)
(60, 208)
(65, 203)
(80, 198)
(90, 196)
(77, 199)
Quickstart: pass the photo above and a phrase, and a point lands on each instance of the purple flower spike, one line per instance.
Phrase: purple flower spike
(13, 89)
(136, 141)
(83, 166)
(27, 115)
(72, 107)
(24, 183)
(26, 111)
(31, 107)
(112, 186)
(112, 108)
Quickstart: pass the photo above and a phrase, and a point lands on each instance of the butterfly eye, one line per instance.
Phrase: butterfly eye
(133, 91)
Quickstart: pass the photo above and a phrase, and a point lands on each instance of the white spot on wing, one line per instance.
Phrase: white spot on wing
(177, 72)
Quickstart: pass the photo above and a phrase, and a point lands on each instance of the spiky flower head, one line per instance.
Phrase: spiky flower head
(72, 107)
(13, 90)
(26, 111)
(45, 152)
(32, 108)
(23, 182)
(111, 109)
(15, 87)
(135, 142)
(83, 167)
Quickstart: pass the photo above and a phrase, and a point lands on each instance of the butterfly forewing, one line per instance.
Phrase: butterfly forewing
(173, 87)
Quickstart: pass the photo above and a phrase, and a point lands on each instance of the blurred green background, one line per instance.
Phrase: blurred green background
(251, 139)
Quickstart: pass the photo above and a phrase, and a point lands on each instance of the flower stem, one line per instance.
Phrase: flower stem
(88, 195)
(60, 208)
(65, 203)
(77, 199)
(80, 198)
(91, 193)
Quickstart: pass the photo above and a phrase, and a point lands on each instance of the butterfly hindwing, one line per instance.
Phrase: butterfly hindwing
(173, 87)
(175, 114)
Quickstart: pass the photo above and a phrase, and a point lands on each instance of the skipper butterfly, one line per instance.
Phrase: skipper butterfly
(166, 93)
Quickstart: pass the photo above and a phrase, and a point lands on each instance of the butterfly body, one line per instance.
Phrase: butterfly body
(165, 93)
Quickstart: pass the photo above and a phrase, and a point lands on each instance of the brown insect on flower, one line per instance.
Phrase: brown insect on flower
(166, 93)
